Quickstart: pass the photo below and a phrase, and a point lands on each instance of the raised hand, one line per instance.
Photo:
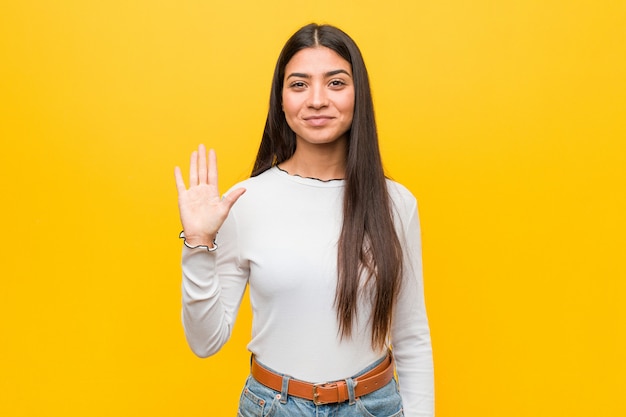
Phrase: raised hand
(202, 209)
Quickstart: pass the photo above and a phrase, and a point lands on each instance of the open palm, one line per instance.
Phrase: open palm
(202, 210)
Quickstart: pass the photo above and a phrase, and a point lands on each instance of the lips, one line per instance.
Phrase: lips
(317, 120)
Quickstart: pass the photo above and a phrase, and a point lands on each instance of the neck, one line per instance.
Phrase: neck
(325, 162)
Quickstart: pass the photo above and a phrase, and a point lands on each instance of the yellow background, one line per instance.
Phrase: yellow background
(505, 118)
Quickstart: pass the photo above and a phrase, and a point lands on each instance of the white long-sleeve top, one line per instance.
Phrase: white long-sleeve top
(281, 238)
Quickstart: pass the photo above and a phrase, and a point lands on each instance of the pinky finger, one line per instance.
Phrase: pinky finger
(180, 183)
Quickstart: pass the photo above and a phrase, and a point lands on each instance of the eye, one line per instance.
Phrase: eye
(298, 85)
(337, 83)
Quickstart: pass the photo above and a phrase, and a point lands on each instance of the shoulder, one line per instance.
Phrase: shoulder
(404, 210)
(402, 198)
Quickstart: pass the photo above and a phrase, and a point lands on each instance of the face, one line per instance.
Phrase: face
(318, 96)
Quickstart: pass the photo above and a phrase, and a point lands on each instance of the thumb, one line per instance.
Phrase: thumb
(232, 197)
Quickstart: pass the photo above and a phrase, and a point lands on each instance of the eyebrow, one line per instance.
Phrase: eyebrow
(326, 75)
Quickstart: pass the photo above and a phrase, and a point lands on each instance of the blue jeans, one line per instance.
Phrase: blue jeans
(259, 401)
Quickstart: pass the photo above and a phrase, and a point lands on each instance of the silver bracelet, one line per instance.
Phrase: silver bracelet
(182, 236)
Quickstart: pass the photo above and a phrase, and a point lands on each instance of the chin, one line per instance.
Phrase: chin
(323, 139)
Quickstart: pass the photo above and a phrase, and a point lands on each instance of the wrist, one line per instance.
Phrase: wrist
(195, 242)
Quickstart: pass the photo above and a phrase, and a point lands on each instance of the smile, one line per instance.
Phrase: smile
(318, 120)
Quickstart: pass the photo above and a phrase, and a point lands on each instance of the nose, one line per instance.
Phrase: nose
(318, 96)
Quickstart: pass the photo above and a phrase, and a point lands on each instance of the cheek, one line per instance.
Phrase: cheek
(347, 105)
(289, 106)
(347, 108)
(290, 112)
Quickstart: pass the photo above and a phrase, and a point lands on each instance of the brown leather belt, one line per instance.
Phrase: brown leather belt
(328, 392)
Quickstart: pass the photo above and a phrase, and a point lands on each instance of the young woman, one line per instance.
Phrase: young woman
(330, 248)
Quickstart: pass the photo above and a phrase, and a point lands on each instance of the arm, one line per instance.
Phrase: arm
(410, 331)
(212, 289)
(209, 303)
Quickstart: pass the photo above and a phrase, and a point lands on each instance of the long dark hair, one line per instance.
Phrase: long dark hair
(368, 245)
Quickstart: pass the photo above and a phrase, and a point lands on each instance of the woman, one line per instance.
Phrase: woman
(329, 247)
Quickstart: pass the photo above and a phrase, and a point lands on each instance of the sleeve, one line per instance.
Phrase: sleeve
(410, 335)
(213, 285)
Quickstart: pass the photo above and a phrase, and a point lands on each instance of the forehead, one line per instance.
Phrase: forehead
(316, 60)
